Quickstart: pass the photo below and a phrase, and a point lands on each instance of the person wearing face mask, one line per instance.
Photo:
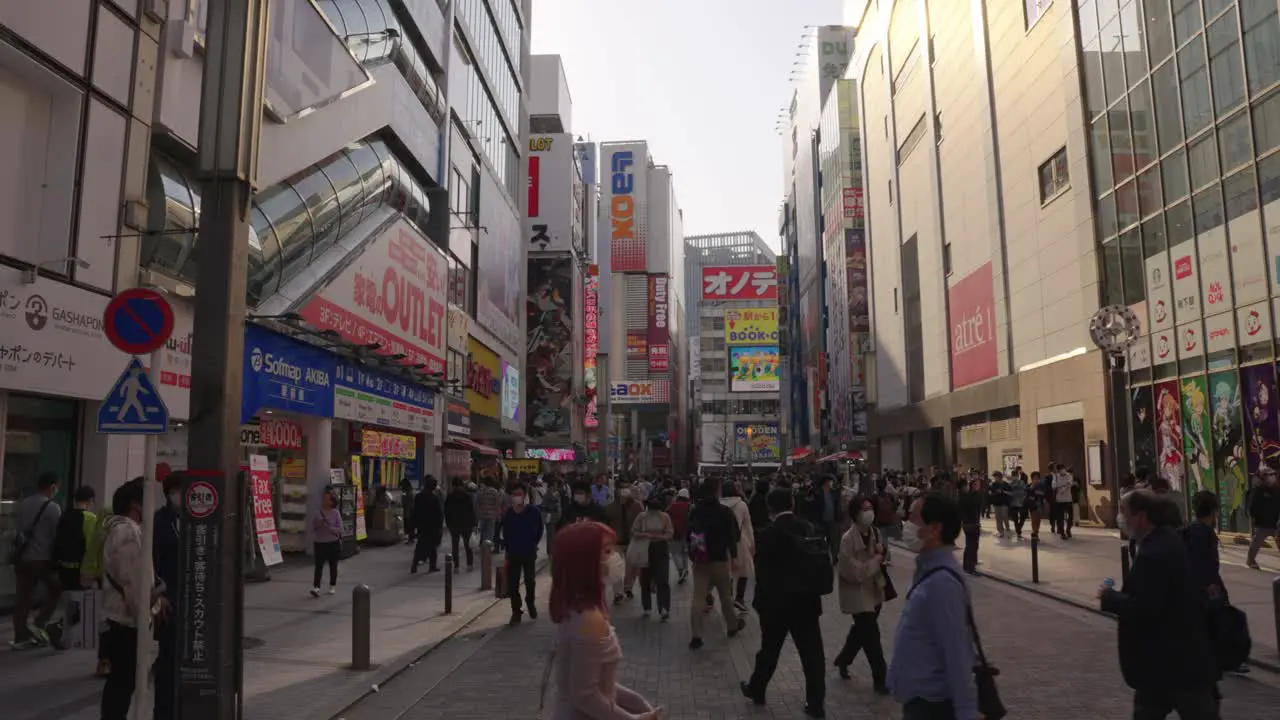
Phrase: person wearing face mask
(654, 528)
(1164, 647)
(167, 555)
(522, 529)
(860, 569)
(580, 508)
(621, 515)
(1264, 511)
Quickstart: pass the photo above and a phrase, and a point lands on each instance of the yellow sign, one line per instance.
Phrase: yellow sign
(388, 445)
(756, 326)
(540, 144)
(484, 379)
(293, 468)
(533, 467)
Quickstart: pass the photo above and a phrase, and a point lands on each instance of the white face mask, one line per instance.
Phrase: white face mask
(580, 499)
(614, 570)
(866, 517)
(911, 536)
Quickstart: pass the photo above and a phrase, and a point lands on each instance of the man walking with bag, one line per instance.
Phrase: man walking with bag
(32, 559)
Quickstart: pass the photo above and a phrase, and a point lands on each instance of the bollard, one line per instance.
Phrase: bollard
(1035, 560)
(486, 565)
(448, 584)
(1124, 564)
(1275, 598)
(361, 627)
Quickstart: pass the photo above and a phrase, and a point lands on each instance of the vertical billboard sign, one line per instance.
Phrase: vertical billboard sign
(549, 222)
(627, 202)
(972, 316)
(549, 315)
(855, 257)
(392, 295)
(659, 333)
(591, 343)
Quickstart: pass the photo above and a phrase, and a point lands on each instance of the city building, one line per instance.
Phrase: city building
(731, 310)
(640, 241)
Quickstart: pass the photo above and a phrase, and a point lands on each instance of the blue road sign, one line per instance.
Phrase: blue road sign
(133, 407)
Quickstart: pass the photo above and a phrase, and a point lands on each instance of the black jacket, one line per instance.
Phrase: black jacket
(716, 522)
(580, 512)
(778, 564)
(459, 511)
(1163, 633)
(1264, 506)
(971, 507)
(758, 508)
(1202, 549)
(166, 550)
(428, 517)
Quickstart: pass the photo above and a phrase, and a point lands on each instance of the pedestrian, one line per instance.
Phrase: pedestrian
(122, 597)
(407, 498)
(76, 528)
(931, 673)
(998, 493)
(326, 542)
(1264, 512)
(741, 567)
(582, 508)
(654, 528)
(758, 505)
(678, 511)
(1164, 647)
(428, 525)
(1037, 503)
(621, 515)
(36, 521)
(825, 514)
(1064, 489)
(522, 527)
(166, 553)
(600, 491)
(861, 575)
(791, 578)
(970, 504)
(489, 510)
(460, 518)
(552, 502)
(587, 653)
(1018, 502)
(713, 539)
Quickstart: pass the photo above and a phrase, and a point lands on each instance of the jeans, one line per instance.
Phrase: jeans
(30, 575)
(805, 630)
(680, 554)
(1002, 520)
(707, 576)
(1196, 703)
(864, 635)
(550, 534)
(1019, 517)
(971, 535)
(487, 528)
(326, 553)
(518, 565)
(1063, 518)
(463, 536)
(656, 578)
(1260, 536)
(122, 652)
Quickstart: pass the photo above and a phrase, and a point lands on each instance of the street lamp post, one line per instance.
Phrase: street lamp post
(750, 449)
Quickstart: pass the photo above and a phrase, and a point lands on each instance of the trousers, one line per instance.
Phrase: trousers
(806, 632)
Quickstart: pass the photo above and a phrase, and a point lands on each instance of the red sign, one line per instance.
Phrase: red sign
(637, 344)
(280, 433)
(391, 297)
(591, 342)
(852, 202)
(974, 350)
(137, 321)
(740, 282)
(1182, 267)
(535, 175)
(659, 333)
(480, 379)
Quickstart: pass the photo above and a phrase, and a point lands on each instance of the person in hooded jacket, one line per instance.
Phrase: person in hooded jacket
(742, 565)
(581, 507)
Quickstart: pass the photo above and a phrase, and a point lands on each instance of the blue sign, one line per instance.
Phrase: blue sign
(283, 374)
(133, 406)
(383, 385)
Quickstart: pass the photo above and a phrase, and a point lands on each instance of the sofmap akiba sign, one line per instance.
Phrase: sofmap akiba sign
(284, 374)
(659, 333)
(484, 380)
(628, 245)
(392, 296)
(740, 282)
(974, 356)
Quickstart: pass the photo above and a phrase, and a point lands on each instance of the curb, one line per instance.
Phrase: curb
(1076, 603)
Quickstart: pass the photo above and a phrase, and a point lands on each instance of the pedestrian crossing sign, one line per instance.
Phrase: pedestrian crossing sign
(133, 406)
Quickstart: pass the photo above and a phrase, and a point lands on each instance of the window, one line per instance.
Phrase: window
(1226, 67)
(1053, 176)
(1164, 86)
(1197, 106)
(913, 139)
(1036, 8)
(1100, 152)
(1266, 124)
(1159, 31)
(1233, 136)
(1203, 156)
(1176, 183)
(1261, 44)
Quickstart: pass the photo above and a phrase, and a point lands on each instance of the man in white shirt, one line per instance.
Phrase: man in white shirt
(1063, 514)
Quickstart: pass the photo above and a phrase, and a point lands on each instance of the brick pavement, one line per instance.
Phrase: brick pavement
(299, 649)
(1057, 663)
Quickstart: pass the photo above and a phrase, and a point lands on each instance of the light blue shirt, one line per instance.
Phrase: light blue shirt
(933, 651)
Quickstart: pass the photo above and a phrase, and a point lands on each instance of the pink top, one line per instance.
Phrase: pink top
(586, 675)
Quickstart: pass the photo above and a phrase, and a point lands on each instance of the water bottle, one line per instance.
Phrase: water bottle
(1109, 583)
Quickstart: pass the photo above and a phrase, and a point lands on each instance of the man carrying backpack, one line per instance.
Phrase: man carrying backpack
(712, 540)
(793, 572)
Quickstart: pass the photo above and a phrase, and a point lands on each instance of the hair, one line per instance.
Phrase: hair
(762, 487)
(85, 494)
(173, 481)
(729, 488)
(1159, 509)
(524, 489)
(780, 500)
(577, 583)
(1205, 504)
(708, 489)
(46, 480)
(126, 496)
(855, 505)
(332, 497)
(936, 508)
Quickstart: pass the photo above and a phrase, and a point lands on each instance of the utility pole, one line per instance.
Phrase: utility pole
(231, 97)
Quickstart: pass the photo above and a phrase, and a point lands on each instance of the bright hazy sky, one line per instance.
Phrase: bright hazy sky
(701, 80)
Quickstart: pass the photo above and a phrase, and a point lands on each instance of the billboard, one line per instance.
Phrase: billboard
(740, 282)
(855, 275)
(549, 319)
(761, 443)
(548, 225)
(659, 339)
(638, 392)
(753, 326)
(500, 277)
(484, 380)
(590, 343)
(972, 316)
(625, 204)
(637, 344)
(392, 295)
(754, 369)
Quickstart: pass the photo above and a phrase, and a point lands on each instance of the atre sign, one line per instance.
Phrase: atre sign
(974, 350)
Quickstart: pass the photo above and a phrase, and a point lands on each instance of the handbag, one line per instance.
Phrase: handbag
(984, 673)
(23, 538)
(638, 554)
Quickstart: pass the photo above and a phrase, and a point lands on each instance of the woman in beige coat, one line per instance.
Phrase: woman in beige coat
(742, 566)
(861, 577)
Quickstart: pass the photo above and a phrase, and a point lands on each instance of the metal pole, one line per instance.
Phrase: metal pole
(448, 584)
(486, 565)
(1035, 560)
(604, 395)
(1124, 563)
(361, 627)
(1275, 604)
(231, 98)
(146, 571)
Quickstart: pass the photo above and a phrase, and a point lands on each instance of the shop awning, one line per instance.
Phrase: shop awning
(473, 446)
(800, 453)
(833, 457)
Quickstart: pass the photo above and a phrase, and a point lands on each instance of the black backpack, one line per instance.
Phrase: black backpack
(816, 576)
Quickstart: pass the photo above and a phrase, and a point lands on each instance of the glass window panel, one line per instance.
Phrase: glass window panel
(1178, 223)
(1113, 60)
(1266, 123)
(1122, 159)
(1197, 106)
(1176, 183)
(1269, 178)
(1107, 11)
(1112, 274)
(1149, 196)
(1127, 204)
(1159, 30)
(1094, 95)
(1233, 138)
(346, 181)
(1186, 19)
(1164, 86)
(1261, 43)
(1087, 19)
(1132, 266)
(1143, 123)
(1208, 209)
(1225, 64)
(1107, 216)
(1153, 237)
(1100, 151)
(1213, 7)
(1203, 158)
(1135, 61)
(263, 279)
(1241, 193)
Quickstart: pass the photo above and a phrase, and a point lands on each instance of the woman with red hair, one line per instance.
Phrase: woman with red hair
(587, 651)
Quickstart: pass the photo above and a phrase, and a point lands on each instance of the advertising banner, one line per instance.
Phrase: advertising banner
(624, 202)
(1144, 428)
(529, 467)
(283, 374)
(852, 202)
(1228, 449)
(1215, 272)
(1220, 332)
(264, 516)
(1254, 323)
(855, 272)
(1190, 339)
(590, 342)
(457, 418)
(1248, 259)
(357, 481)
(552, 454)
(761, 444)
(548, 227)
(1159, 292)
(1258, 386)
(501, 271)
(377, 444)
(637, 344)
(753, 326)
(458, 329)
(1163, 347)
(510, 392)
(972, 314)
(1169, 434)
(740, 282)
(754, 369)
(628, 392)
(549, 320)
(381, 399)
(484, 380)
(1195, 435)
(659, 333)
(1186, 286)
(392, 295)
(275, 432)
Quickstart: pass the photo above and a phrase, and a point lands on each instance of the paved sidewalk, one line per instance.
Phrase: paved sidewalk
(1057, 663)
(1073, 569)
(297, 647)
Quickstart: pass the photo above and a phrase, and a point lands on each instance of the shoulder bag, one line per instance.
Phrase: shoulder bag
(22, 540)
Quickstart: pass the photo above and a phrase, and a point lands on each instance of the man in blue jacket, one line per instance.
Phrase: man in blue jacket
(522, 530)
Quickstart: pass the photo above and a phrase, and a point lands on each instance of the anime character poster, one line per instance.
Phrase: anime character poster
(549, 310)
(1258, 386)
(1144, 428)
(1195, 435)
(1228, 446)
(1169, 434)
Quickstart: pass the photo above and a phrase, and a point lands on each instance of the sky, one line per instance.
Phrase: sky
(701, 80)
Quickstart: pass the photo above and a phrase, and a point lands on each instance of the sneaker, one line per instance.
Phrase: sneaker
(617, 599)
(39, 635)
(515, 619)
(814, 712)
(742, 624)
(28, 644)
(1253, 566)
(533, 613)
(665, 616)
(630, 594)
(695, 643)
(333, 590)
(315, 591)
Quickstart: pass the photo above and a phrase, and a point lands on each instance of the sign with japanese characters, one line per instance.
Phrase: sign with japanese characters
(1215, 273)
(284, 374)
(752, 326)
(590, 342)
(851, 199)
(659, 335)
(484, 380)
(378, 398)
(740, 282)
(374, 443)
(264, 516)
(1186, 288)
(200, 593)
(548, 225)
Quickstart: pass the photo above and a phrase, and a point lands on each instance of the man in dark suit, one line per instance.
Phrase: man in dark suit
(786, 604)
(1165, 652)
(428, 521)
(825, 512)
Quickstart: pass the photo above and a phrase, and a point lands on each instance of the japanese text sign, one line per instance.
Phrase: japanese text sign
(740, 282)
